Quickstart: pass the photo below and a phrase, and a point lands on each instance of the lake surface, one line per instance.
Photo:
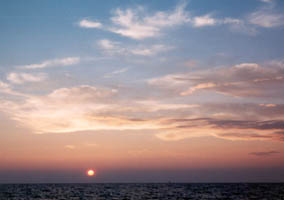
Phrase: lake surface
(143, 191)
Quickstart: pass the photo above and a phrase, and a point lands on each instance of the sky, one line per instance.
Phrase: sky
(141, 91)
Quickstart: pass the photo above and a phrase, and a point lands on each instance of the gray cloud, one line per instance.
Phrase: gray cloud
(243, 80)
(264, 153)
(258, 125)
(228, 124)
(223, 128)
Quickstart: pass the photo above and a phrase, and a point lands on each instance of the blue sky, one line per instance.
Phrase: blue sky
(173, 70)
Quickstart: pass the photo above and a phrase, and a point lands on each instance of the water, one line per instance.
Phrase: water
(257, 191)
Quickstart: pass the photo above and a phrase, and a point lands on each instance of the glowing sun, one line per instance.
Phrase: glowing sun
(90, 172)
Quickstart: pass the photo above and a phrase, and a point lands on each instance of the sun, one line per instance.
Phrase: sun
(90, 172)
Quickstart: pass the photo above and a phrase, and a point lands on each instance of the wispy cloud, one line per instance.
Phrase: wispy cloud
(138, 24)
(267, 1)
(266, 19)
(53, 63)
(20, 78)
(113, 73)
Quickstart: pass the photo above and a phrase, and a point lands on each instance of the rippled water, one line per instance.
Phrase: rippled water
(142, 191)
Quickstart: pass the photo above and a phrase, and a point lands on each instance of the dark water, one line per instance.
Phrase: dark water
(142, 191)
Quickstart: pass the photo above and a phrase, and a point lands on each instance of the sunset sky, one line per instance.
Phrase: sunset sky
(141, 91)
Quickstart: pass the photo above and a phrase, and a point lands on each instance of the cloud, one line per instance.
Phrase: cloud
(89, 24)
(89, 108)
(108, 44)
(268, 105)
(137, 24)
(73, 109)
(169, 81)
(205, 20)
(153, 106)
(183, 128)
(243, 111)
(113, 73)
(267, 1)
(234, 24)
(134, 23)
(112, 48)
(264, 153)
(150, 51)
(176, 117)
(240, 124)
(266, 16)
(243, 80)
(239, 25)
(266, 19)
(166, 19)
(250, 136)
(83, 93)
(129, 25)
(198, 87)
(229, 121)
(53, 63)
(20, 78)
(229, 20)
(4, 86)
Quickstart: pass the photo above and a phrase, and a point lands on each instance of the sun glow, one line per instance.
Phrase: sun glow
(90, 172)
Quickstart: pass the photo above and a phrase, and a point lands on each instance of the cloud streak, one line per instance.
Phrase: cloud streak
(52, 63)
